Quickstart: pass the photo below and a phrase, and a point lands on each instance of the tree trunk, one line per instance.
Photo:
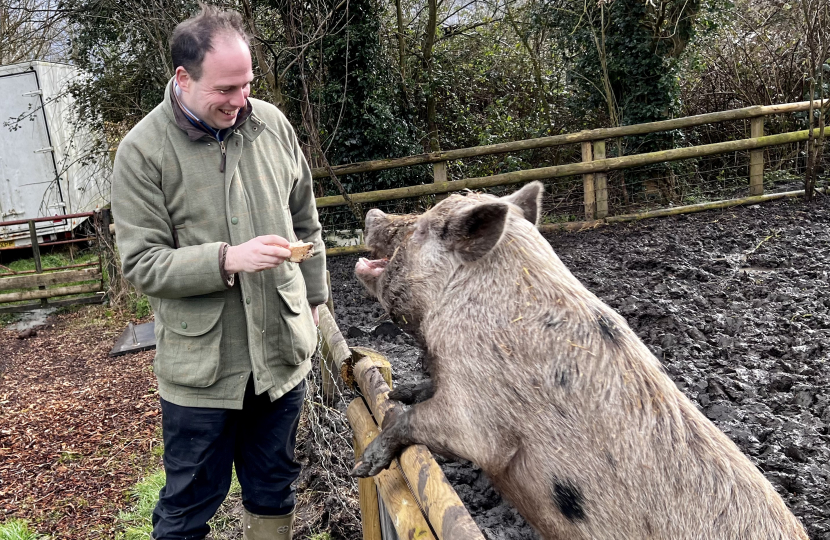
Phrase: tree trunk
(432, 144)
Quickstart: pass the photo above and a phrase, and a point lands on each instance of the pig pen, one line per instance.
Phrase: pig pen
(735, 304)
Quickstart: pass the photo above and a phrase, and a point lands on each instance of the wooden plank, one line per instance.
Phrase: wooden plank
(445, 511)
(49, 293)
(558, 140)
(22, 308)
(600, 182)
(54, 278)
(364, 431)
(50, 269)
(336, 353)
(398, 499)
(589, 196)
(756, 159)
(439, 501)
(346, 250)
(573, 169)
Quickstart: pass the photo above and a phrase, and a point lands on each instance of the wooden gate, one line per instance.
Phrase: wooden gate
(18, 289)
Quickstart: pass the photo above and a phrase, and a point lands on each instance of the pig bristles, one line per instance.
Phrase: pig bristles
(572, 344)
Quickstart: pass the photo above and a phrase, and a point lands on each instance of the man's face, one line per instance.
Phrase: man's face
(225, 83)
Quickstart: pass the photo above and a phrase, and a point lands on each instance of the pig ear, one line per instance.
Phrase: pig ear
(529, 199)
(473, 232)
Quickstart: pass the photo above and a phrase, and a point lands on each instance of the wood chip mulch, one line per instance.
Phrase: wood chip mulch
(77, 428)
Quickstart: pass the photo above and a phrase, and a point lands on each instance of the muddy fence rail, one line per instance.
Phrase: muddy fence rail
(63, 285)
(412, 498)
(591, 180)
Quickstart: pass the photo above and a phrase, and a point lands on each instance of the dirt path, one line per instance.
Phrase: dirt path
(736, 305)
(77, 428)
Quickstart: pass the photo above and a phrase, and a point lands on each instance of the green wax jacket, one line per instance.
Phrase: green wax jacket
(173, 209)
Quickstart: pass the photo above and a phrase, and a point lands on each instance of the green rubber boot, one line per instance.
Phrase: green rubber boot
(256, 527)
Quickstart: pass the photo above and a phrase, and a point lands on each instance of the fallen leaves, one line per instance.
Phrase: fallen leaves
(76, 427)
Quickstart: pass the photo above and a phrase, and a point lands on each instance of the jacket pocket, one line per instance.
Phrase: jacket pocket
(189, 341)
(298, 335)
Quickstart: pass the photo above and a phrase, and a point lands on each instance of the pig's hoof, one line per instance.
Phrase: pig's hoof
(411, 394)
(361, 469)
(373, 460)
(365, 469)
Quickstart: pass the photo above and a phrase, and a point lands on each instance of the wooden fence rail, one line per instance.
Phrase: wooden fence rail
(569, 138)
(584, 168)
(44, 283)
(432, 509)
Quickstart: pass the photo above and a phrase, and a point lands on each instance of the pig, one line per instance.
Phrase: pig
(547, 389)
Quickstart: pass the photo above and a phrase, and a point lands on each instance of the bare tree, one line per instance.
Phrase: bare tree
(31, 30)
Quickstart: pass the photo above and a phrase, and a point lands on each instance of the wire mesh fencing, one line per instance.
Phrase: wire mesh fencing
(327, 497)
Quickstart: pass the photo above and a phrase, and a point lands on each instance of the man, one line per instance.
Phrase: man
(208, 190)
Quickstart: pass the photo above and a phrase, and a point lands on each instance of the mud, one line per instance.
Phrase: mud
(736, 305)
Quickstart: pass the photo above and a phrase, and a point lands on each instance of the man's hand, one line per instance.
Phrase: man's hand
(255, 255)
(315, 315)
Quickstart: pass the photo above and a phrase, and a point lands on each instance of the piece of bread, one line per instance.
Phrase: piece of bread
(300, 251)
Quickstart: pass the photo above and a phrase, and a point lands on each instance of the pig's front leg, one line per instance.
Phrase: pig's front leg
(431, 423)
(393, 438)
(410, 394)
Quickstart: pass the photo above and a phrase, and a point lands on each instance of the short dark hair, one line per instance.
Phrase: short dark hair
(193, 38)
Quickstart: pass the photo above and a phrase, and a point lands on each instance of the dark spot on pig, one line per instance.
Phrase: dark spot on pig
(611, 461)
(520, 397)
(445, 230)
(569, 500)
(562, 378)
(609, 330)
(552, 321)
(649, 528)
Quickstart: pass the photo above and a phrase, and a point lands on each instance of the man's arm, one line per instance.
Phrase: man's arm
(307, 228)
(144, 232)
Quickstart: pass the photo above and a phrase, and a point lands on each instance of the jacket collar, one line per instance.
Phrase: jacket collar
(193, 129)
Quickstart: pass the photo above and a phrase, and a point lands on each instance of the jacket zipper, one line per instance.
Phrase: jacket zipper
(222, 163)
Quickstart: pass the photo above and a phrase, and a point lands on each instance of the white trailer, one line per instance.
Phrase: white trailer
(47, 167)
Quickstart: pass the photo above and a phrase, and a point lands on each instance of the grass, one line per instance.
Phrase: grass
(17, 529)
(137, 523)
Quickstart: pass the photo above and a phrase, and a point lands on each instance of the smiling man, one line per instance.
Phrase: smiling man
(208, 191)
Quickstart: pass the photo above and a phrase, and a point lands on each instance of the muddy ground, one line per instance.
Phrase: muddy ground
(736, 305)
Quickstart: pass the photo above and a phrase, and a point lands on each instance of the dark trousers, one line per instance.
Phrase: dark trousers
(202, 444)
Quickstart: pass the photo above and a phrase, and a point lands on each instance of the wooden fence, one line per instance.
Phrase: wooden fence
(594, 166)
(41, 284)
(390, 508)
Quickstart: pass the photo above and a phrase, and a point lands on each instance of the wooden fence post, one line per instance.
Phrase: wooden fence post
(333, 352)
(756, 159)
(600, 182)
(439, 174)
(366, 490)
(109, 248)
(36, 256)
(588, 183)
